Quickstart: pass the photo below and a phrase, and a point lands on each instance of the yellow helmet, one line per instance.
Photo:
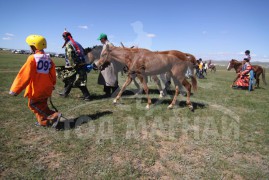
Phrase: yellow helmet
(39, 42)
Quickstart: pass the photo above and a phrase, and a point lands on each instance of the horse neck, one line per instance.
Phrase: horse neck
(119, 54)
(96, 52)
(237, 66)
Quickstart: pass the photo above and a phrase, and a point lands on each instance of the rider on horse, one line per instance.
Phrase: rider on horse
(243, 81)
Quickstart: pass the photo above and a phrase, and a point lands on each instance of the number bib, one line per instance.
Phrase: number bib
(43, 63)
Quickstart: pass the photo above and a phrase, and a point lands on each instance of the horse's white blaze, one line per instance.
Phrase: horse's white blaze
(228, 67)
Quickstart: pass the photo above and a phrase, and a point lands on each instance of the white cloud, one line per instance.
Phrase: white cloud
(6, 38)
(83, 27)
(151, 35)
(9, 34)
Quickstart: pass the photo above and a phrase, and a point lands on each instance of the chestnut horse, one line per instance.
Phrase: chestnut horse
(182, 56)
(143, 63)
(258, 70)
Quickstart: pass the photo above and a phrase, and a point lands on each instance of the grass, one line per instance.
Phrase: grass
(226, 137)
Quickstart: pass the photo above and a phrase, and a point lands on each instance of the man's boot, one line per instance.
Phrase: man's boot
(67, 89)
(107, 91)
(85, 93)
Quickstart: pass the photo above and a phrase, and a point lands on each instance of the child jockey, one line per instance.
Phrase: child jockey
(38, 77)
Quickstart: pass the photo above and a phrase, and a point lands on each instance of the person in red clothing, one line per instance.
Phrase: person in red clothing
(38, 77)
(243, 80)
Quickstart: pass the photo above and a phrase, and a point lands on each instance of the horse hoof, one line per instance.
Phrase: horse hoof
(147, 107)
(191, 107)
(170, 106)
(115, 101)
(161, 96)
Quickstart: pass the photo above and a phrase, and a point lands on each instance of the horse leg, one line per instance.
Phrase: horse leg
(176, 94)
(137, 86)
(143, 81)
(187, 85)
(127, 82)
(158, 82)
(257, 80)
(167, 82)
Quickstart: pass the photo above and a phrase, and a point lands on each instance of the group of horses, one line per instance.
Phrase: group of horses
(141, 63)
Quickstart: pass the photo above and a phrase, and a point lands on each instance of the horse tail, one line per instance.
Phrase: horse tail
(263, 76)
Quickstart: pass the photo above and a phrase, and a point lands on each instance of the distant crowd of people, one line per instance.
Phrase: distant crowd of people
(201, 68)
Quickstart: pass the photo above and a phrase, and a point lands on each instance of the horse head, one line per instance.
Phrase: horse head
(92, 54)
(105, 57)
(232, 64)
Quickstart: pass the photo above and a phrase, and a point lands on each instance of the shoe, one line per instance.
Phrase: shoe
(37, 124)
(63, 95)
(87, 99)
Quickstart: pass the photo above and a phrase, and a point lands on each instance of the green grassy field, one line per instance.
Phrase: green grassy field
(226, 137)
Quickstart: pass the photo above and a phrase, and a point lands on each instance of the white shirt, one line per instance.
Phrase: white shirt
(248, 57)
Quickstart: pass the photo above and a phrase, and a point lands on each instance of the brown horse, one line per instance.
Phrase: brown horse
(182, 56)
(211, 66)
(143, 63)
(258, 70)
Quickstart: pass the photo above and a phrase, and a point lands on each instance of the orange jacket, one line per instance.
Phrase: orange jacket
(37, 75)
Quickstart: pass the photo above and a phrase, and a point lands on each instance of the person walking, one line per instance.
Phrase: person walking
(38, 77)
(108, 76)
(76, 75)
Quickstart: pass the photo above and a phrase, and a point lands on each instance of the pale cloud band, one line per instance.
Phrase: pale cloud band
(151, 35)
(9, 34)
(83, 27)
(6, 38)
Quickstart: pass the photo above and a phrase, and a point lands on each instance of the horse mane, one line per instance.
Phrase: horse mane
(236, 61)
(134, 49)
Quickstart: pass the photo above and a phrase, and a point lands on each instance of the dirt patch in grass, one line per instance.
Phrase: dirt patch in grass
(249, 159)
(51, 160)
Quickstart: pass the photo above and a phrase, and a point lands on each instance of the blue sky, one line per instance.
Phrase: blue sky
(209, 29)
